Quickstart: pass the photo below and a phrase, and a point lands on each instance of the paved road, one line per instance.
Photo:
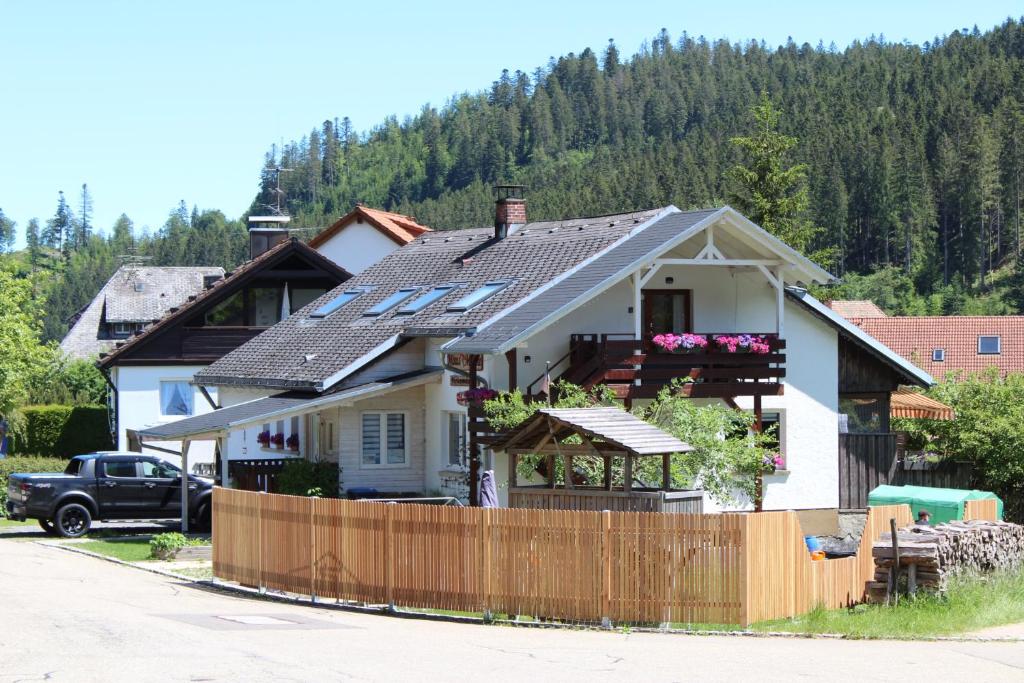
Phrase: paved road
(67, 617)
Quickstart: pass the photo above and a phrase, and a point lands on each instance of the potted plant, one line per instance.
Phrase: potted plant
(263, 438)
(278, 440)
(770, 462)
(293, 442)
(742, 343)
(680, 343)
(477, 395)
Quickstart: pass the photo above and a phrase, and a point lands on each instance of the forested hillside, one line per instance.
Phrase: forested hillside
(914, 158)
(914, 153)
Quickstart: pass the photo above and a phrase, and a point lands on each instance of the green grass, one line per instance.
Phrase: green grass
(196, 572)
(4, 522)
(969, 605)
(129, 550)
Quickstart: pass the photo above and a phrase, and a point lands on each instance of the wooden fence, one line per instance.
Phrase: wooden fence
(627, 567)
(987, 510)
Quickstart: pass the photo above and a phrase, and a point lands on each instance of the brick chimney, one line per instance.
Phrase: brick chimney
(509, 210)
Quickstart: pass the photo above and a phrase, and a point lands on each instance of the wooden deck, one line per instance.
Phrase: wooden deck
(580, 498)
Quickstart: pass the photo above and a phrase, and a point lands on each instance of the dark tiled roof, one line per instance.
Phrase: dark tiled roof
(226, 284)
(162, 288)
(302, 352)
(624, 256)
(915, 337)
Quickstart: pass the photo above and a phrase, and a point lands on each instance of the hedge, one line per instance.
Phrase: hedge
(63, 431)
(25, 464)
(304, 478)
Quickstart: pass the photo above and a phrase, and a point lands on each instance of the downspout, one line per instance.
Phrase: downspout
(112, 403)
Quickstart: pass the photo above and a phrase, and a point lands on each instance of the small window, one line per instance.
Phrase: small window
(383, 440)
(74, 467)
(175, 398)
(861, 415)
(391, 301)
(455, 438)
(335, 303)
(470, 300)
(159, 470)
(430, 297)
(124, 469)
(140, 286)
(938, 355)
(988, 345)
(121, 329)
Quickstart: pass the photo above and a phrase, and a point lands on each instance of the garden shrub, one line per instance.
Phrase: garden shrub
(63, 431)
(304, 478)
(25, 464)
(164, 546)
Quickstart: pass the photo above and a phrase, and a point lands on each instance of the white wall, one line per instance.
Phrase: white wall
(138, 405)
(357, 246)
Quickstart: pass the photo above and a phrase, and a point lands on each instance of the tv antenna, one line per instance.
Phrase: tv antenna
(278, 192)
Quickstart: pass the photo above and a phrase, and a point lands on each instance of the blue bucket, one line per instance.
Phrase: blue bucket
(812, 543)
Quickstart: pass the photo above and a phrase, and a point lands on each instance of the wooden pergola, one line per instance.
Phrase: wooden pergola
(605, 432)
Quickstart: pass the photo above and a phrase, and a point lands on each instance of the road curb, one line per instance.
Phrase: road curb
(385, 610)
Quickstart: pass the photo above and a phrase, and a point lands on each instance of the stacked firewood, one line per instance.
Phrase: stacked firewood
(939, 553)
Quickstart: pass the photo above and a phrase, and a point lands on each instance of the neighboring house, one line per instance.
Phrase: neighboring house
(150, 373)
(950, 344)
(131, 299)
(363, 236)
(368, 375)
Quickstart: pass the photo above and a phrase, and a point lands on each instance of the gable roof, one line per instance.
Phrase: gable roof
(162, 288)
(607, 424)
(670, 230)
(915, 337)
(223, 288)
(534, 256)
(909, 372)
(401, 229)
(856, 308)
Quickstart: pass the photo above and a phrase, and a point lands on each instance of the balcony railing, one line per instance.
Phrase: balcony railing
(639, 369)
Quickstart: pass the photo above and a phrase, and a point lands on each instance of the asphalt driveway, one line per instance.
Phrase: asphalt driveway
(68, 617)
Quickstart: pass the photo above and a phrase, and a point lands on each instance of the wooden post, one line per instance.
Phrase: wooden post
(666, 472)
(607, 472)
(627, 474)
(184, 485)
(513, 369)
(758, 427)
(606, 569)
(551, 471)
(892, 585)
(513, 464)
(225, 464)
(485, 554)
(474, 446)
(567, 471)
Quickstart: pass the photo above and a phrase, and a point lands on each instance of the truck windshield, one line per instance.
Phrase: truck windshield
(74, 466)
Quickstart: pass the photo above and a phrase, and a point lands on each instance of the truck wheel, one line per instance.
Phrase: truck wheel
(48, 526)
(203, 520)
(72, 520)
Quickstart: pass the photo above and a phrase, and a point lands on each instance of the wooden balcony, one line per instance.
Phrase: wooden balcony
(636, 369)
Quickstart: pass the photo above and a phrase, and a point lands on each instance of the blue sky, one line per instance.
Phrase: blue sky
(152, 102)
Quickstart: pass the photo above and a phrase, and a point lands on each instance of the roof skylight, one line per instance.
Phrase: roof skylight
(334, 304)
(422, 302)
(474, 298)
(391, 301)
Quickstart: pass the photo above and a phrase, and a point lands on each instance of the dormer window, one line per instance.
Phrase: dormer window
(120, 329)
(938, 355)
(989, 345)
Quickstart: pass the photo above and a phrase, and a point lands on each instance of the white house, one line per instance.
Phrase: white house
(368, 375)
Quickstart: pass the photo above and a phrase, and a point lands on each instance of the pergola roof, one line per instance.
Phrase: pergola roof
(908, 403)
(615, 427)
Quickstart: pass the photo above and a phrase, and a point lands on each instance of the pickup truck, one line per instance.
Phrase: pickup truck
(104, 486)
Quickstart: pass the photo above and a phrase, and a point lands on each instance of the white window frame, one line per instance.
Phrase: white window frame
(382, 417)
(446, 416)
(160, 397)
(999, 345)
(122, 329)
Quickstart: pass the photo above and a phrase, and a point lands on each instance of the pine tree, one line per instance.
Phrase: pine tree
(83, 226)
(766, 189)
(8, 232)
(57, 233)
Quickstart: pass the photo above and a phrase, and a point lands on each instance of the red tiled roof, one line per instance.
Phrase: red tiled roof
(915, 338)
(401, 229)
(862, 308)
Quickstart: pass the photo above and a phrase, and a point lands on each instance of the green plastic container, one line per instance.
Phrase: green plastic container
(944, 505)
